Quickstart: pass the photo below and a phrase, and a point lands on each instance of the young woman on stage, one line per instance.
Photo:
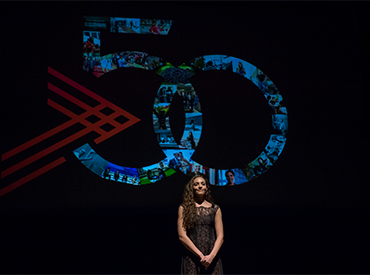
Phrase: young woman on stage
(200, 229)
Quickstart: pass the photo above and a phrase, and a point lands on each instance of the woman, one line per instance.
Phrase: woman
(190, 143)
(200, 229)
(185, 164)
(240, 69)
(230, 175)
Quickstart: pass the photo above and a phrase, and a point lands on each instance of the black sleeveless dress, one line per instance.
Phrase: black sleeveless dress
(203, 235)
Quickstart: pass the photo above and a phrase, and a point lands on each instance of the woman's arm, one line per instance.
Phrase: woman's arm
(184, 239)
(207, 260)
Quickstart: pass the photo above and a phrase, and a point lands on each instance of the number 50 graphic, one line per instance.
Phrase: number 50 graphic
(178, 154)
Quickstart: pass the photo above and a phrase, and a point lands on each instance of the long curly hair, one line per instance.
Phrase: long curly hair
(190, 211)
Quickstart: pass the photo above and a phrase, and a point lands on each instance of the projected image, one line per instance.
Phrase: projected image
(179, 75)
(91, 159)
(229, 177)
(91, 62)
(155, 172)
(193, 116)
(104, 64)
(213, 62)
(96, 23)
(91, 42)
(91, 51)
(192, 132)
(165, 93)
(121, 174)
(179, 160)
(126, 59)
(104, 168)
(280, 123)
(155, 26)
(196, 168)
(258, 166)
(177, 80)
(124, 25)
(161, 123)
(274, 147)
(243, 68)
(189, 97)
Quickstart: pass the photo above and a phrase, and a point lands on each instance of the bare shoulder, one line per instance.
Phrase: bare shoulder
(218, 208)
(181, 209)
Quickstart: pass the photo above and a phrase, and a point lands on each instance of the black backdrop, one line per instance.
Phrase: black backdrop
(307, 214)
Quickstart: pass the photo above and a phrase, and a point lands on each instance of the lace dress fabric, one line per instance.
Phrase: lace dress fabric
(203, 236)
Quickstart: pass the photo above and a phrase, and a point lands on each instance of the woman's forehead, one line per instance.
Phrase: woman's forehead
(199, 179)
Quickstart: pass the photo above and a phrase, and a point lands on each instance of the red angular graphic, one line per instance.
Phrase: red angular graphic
(90, 127)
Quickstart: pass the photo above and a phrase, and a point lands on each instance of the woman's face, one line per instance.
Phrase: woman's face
(230, 177)
(199, 186)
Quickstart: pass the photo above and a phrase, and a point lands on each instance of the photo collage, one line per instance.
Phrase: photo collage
(98, 65)
(177, 83)
(278, 112)
(113, 172)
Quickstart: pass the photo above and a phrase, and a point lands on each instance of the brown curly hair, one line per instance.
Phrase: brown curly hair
(190, 211)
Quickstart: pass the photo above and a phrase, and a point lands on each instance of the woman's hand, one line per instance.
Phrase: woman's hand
(207, 260)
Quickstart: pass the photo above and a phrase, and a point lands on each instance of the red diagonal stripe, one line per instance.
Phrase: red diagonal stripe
(81, 118)
(69, 97)
(89, 93)
(132, 119)
(31, 176)
(36, 140)
(44, 152)
(115, 131)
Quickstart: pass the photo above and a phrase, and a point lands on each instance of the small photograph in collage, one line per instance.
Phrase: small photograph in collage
(196, 168)
(192, 132)
(179, 160)
(280, 123)
(105, 64)
(258, 166)
(91, 159)
(124, 25)
(260, 80)
(99, 65)
(134, 59)
(96, 23)
(243, 68)
(214, 62)
(105, 169)
(228, 177)
(274, 147)
(91, 42)
(165, 93)
(161, 123)
(154, 173)
(155, 26)
(274, 99)
(189, 98)
(121, 174)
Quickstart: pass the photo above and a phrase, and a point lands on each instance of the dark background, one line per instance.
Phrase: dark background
(307, 214)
